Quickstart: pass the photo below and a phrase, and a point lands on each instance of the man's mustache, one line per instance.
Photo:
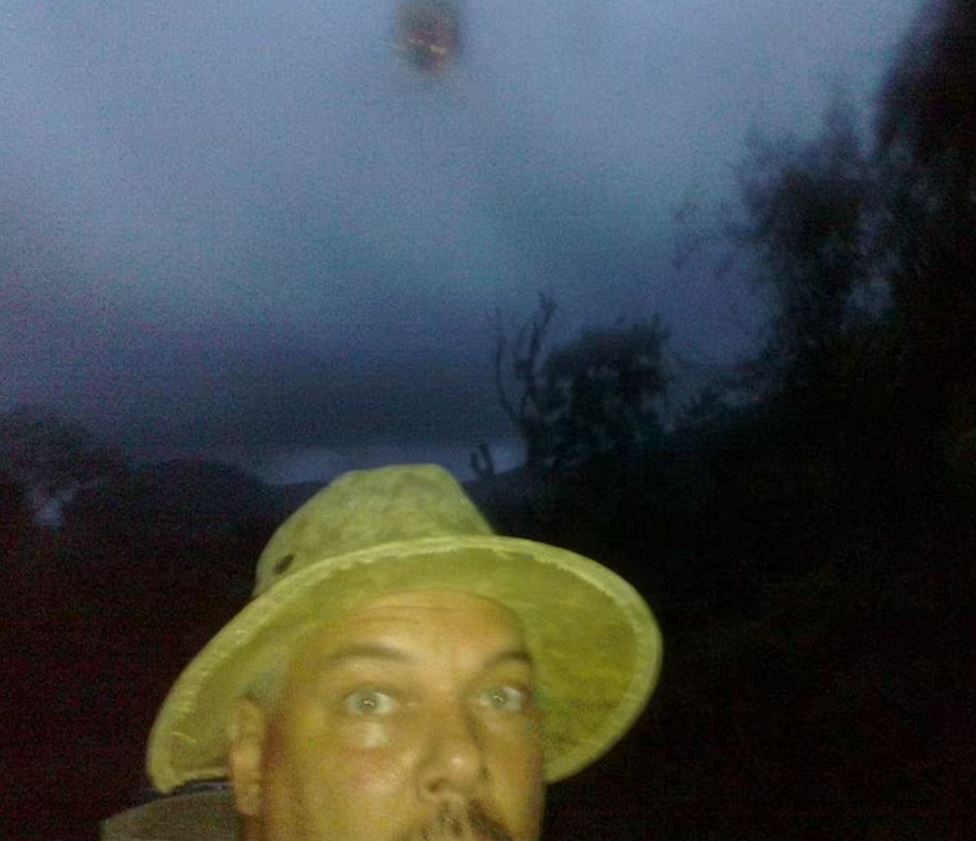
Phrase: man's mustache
(474, 821)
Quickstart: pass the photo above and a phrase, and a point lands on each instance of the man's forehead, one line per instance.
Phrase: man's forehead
(436, 599)
(420, 614)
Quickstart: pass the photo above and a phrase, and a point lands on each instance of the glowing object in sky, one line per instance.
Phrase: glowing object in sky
(428, 33)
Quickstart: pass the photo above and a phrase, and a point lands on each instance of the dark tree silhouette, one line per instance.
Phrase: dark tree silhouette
(927, 136)
(805, 209)
(593, 396)
(518, 365)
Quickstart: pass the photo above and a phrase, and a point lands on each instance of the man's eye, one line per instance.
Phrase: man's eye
(508, 698)
(369, 702)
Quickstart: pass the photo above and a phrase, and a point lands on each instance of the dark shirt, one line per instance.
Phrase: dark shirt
(200, 816)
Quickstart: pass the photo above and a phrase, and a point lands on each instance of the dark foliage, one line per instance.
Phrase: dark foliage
(870, 259)
(927, 128)
(805, 206)
(928, 102)
(594, 397)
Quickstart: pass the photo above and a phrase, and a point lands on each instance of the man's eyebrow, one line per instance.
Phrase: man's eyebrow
(390, 654)
(365, 651)
(509, 655)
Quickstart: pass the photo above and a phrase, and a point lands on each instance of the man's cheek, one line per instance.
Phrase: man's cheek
(374, 737)
(371, 758)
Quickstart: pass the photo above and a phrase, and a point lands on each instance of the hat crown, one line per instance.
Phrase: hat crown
(367, 508)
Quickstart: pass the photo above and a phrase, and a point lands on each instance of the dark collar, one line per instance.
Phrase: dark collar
(196, 816)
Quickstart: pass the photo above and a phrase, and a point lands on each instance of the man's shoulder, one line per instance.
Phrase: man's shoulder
(198, 816)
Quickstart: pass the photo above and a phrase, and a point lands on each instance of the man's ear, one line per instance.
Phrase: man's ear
(248, 727)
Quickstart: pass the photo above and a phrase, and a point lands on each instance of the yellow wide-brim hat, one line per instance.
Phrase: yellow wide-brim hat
(596, 646)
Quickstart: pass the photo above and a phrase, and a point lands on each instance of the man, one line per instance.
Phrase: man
(401, 674)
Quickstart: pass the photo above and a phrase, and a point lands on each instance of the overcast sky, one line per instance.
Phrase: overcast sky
(248, 222)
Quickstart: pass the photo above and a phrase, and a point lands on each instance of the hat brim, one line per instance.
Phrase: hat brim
(596, 646)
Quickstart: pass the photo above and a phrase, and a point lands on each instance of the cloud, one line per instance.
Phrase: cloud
(245, 220)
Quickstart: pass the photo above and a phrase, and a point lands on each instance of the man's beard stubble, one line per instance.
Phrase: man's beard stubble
(454, 822)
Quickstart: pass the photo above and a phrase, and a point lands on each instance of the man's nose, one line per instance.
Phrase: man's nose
(453, 760)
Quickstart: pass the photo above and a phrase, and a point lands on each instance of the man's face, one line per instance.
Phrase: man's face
(411, 719)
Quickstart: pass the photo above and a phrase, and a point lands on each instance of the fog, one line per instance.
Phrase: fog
(252, 225)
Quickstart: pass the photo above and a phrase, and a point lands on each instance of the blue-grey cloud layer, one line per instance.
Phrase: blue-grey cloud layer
(248, 221)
